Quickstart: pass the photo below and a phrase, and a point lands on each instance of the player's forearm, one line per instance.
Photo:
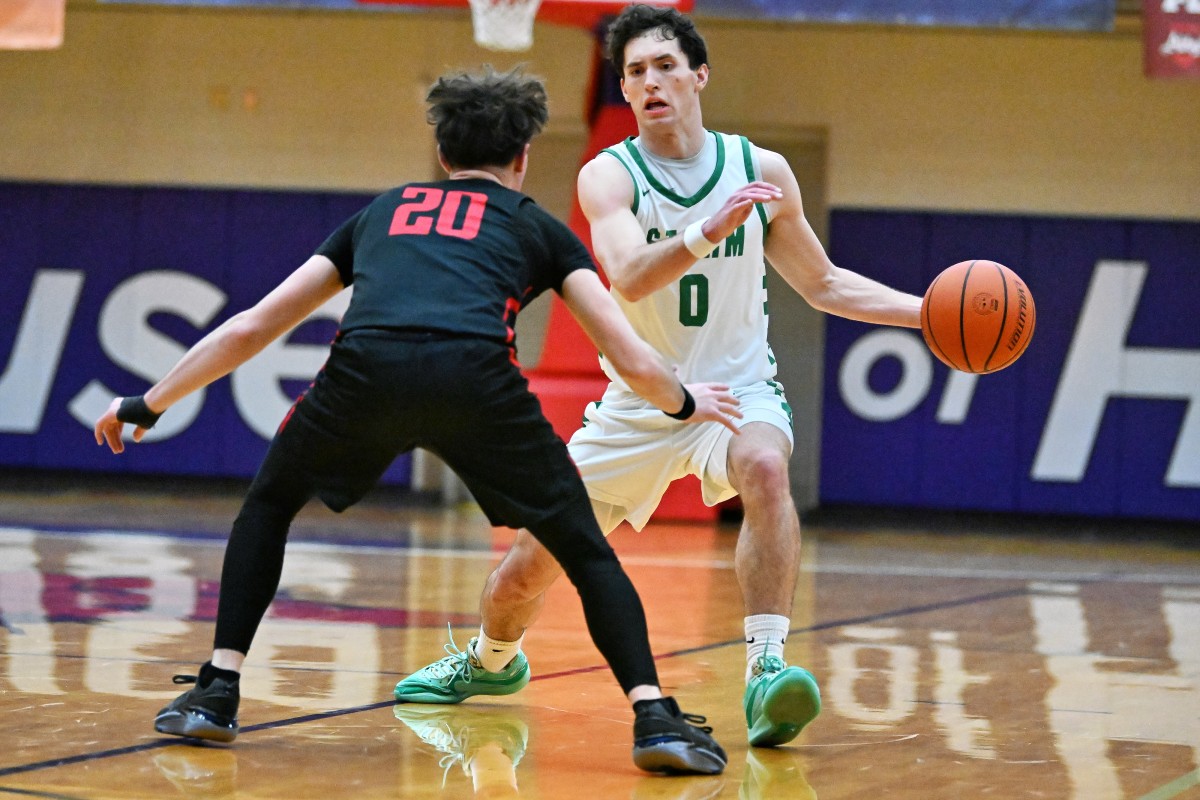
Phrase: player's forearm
(219, 353)
(853, 296)
(650, 267)
(646, 374)
(660, 386)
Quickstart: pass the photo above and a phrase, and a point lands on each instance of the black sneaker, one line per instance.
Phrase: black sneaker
(667, 740)
(207, 712)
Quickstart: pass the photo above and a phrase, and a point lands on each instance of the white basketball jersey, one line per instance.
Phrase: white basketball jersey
(712, 321)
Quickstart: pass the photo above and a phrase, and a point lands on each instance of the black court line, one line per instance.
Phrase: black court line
(32, 793)
(158, 744)
(283, 723)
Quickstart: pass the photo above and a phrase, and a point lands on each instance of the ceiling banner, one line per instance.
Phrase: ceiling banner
(1083, 15)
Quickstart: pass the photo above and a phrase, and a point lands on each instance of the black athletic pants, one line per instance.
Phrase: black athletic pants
(382, 394)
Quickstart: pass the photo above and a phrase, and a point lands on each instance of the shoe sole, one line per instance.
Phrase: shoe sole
(432, 696)
(194, 726)
(791, 702)
(678, 758)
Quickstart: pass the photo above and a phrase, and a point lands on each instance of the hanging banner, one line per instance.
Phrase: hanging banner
(31, 24)
(1092, 15)
(1087, 15)
(1171, 38)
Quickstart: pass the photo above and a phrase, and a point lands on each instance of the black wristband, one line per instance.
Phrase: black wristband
(689, 406)
(135, 410)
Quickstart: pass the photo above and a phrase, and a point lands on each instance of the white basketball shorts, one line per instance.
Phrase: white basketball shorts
(628, 451)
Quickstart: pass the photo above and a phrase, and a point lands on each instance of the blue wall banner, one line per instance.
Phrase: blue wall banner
(106, 287)
(1093, 15)
(1099, 417)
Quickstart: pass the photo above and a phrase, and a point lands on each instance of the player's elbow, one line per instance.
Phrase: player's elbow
(631, 290)
(245, 331)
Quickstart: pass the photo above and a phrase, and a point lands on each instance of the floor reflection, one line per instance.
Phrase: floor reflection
(483, 744)
(950, 666)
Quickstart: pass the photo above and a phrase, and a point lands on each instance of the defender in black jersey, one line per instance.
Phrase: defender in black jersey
(425, 357)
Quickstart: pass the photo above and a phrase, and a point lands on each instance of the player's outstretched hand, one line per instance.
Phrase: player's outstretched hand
(737, 208)
(108, 429)
(714, 403)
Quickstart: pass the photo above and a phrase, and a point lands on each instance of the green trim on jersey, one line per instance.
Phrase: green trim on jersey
(632, 177)
(686, 202)
(759, 207)
(595, 403)
(787, 409)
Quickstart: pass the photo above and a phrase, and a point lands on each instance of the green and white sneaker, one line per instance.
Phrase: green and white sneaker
(780, 700)
(460, 675)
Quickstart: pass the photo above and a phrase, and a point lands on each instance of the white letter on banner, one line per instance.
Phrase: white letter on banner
(37, 349)
(1099, 366)
(956, 397)
(916, 375)
(128, 339)
(256, 392)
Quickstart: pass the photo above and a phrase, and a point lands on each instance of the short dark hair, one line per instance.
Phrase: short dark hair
(486, 119)
(637, 19)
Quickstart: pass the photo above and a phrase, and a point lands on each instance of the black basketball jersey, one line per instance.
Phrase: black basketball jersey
(460, 257)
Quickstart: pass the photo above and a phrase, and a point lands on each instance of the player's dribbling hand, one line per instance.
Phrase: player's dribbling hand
(108, 429)
(714, 403)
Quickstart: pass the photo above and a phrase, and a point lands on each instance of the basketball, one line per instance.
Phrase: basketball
(978, 316)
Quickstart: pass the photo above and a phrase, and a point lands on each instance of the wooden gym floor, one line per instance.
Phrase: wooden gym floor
(1022, 663)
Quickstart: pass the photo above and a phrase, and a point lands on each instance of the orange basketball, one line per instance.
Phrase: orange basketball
(978, 316)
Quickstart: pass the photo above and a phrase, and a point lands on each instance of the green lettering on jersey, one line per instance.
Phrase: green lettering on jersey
(653, 235)
(693, 305)
(735, 243)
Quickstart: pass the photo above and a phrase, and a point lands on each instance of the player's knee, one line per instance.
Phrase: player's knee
(519, 580)
(763, 471)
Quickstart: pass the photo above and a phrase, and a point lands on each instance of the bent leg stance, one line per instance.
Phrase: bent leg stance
(779, 699)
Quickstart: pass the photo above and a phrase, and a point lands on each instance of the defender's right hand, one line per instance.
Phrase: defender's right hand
(714, 403)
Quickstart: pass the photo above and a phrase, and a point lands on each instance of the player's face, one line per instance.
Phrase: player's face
(658, 83)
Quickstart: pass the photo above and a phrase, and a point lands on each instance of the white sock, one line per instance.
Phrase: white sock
(493, 654)
(766, 635)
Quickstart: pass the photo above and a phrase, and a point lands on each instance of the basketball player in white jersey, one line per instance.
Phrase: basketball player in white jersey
(679, 219)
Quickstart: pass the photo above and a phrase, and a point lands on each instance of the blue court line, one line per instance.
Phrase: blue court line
(867, 618)
(900, 612)
(1175, 787)
(158, 744)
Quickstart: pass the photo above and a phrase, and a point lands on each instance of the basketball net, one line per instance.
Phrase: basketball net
(504, 24)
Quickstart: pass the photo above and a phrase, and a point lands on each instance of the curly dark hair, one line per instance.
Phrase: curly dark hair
(487, 118)
(637, 19)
